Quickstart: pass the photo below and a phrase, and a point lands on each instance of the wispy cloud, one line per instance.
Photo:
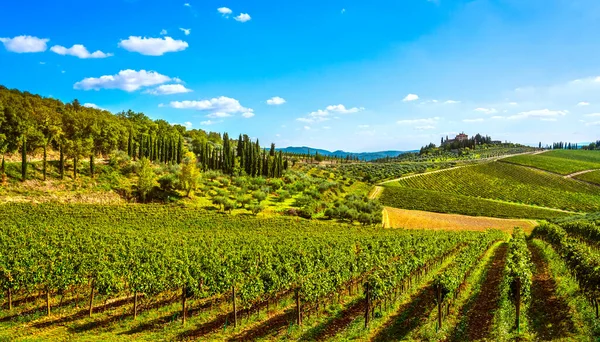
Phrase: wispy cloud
(410, 97)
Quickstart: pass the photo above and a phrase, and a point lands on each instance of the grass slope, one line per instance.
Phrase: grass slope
(563, 162)
(510, 183)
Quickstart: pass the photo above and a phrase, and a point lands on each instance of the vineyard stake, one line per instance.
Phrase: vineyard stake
(183, 295)
(9, 299)
(234, 308)
(48, 300)
(135, 303)
(439, 296)
(91, 298)
(367, 306)
(298, 312)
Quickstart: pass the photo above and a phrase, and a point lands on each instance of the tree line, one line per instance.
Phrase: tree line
(30, 124)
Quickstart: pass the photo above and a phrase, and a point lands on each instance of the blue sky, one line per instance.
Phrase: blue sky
(341, 74)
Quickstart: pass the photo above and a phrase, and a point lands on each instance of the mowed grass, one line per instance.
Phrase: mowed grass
(439, 202)
(563, 162)
(591, 177)
(416, 219)
(509, 183)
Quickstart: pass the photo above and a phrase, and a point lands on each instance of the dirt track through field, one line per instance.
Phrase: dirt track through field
(549, 313)
(480, 315)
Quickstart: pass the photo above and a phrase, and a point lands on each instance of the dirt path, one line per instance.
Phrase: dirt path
(549, 313)
(480, 315)
(580, 173)
(375, 192)
(385, 216)
(409, 316)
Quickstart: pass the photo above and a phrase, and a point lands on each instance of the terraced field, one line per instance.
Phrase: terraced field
(591, 177)
(505, 182)
(563, 162)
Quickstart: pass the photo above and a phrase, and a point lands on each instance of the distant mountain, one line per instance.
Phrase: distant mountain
(361, 155)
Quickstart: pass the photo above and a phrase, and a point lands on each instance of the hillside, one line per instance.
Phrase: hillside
(364, 156)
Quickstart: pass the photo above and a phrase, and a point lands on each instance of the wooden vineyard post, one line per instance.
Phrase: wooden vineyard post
(439, 300)
(91, 298)
(367, 311)
(47, 301)
(183, 297)
(518, 303)
(234, 308)
(9, 299)
(135, 303)
(298, 312)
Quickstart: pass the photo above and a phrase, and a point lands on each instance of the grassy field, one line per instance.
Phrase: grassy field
(415, 219)
(509, 183)
(563, 162)
(438, 202)
(591, 177)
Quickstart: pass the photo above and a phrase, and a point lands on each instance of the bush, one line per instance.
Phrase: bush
(168, 182)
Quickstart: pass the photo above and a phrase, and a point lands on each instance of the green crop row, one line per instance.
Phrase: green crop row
(427, 200)
(510, 183)
(563, 162)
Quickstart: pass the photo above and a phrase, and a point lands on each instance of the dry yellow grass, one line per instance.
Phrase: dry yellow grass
(414, 219)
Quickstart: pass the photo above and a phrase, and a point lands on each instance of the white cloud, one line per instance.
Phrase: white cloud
(128, 80)
(513, 103)
(540, 113)
(218, 115)
(486, 110)
(473, 120)
(498, 117)
(209, 122)
(243, 17)
(169, 89)
(187, 4)
(424, 128)
(326, 127)
(275, 101)
(224, 11)
(218, 107)
(451, 102)
(91, 105)
(307, 128)
(163, 32)
(595, 123)
(581, 104)
(152, 46)
(548, 119)
(418, 121)
(410, 97)
(343, 110)
(592, 115)
(186, 31)
(325, 114)
(25, 44)
(363, 126)
(42, 63)
(79, 51)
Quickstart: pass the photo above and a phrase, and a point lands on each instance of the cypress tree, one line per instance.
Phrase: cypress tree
(61, 165)
(130, 145)
(24, 160)
(92, 168)
(44, 169)
(179, 150)
(272, 152)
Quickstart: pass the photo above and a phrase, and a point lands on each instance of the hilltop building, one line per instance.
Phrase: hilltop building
(460, 137)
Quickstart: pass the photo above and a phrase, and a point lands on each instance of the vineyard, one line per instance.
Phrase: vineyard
(590, 177)
(438, 202)
(377, 172)
(509, 183)
(123, 272)
(563, 162)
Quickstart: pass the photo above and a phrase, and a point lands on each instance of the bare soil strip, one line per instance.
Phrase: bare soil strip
(481, 308)
(416, 219)
(549, 313)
